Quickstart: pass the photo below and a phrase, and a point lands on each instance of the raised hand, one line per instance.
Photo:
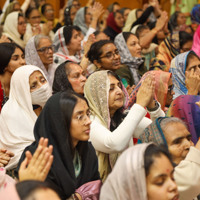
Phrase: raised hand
(5, 157)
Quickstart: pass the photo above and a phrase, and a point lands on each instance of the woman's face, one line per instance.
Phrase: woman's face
(110, 58)
(101, 36)
(116, 7)
(75, 43)
(179, 142)
(88, 16)
(73, 12)
(119, 20)
(170, 93)
(126, 12)
(45, 51)
(21, 27)
(160, 181)
(134, 46)
(194, 63)
(36, 81)
(116, 95)
(34, 17)
(186, 47)
(76, 77)
(49, 13)
(181, 19)
(17, 60)
(80, 123)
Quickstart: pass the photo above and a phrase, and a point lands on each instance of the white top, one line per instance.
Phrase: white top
(116, 141)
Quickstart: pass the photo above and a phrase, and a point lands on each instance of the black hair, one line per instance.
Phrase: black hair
(77, 28)
(173, 19)
(152, 152)
(61, 82)
(184, 37)
(6, 51)
(68, 102)
(67, 18)
(20, 15)
(136, 13)
(126, 35)
(122, 10)
(26, 189)
(29, 11)
(43, 8)
(67, 32)
(190, 56)
(95, 50)
(116, 13)
(111, 6)
(85, 10)
(141, 28)
(97, 33)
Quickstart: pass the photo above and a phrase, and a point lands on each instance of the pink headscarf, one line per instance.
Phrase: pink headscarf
(196, 42)
(9, 193)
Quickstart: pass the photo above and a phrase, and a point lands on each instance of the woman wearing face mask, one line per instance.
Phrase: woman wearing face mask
(29, 91)
(69, 76)
(39, 52)
(149, 176)
(12, 57)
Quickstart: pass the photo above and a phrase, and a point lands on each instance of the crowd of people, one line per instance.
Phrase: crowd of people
(99, 103)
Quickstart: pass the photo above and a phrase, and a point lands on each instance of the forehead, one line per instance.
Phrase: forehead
(108, 47)
(17, 51)
(44, 42)
(112, 79)
(48, 7)
(118, 15)
(73, 68)
(144, 32)
(132, 38)
(35, 12)
(80, 106)
(34, 75)
(20, 19)
(193, 61)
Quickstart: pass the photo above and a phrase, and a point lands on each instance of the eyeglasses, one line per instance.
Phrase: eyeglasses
(110, 55)
(170, 89)
(82, 118)
(46, 49)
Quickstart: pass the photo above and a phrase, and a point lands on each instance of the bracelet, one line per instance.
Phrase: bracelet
(155, 108)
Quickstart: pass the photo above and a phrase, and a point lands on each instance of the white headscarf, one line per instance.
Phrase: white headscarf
(10, 29)
(17, 117)
(127, 181)
(32, 58)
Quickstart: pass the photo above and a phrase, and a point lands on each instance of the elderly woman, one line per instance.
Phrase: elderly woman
(112, 129)
(15, 28)
(39, 52)
(173, 134)
(144, 165)
(185, 74)
(29, 91)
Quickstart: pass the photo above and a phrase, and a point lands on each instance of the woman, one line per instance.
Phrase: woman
(108, 101)
(12, 57)
(163, 88)
(29, 91)
(169, 48)
(174, 135)
(67, 43)
(130, 52)
(15, 28)
(185, 74)
(184, 107)
(69, 15)
(69, 76)
(68, 129)
(143, 165)
(39, 52)
(115, 23)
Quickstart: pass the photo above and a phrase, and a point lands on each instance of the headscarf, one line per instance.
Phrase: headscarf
(184, 107)
(127, 180)
(126, 57)
(196, 41)
(167, 50)
(96, 91)
(153, 133)
(17, 117)
(10, 29)
(32, 58)
(130, 20)
(51, 124)
(10, 193)
(195, 14)
(161, 87)
(112, 24)
(79, 20)
(178, 67)
(61, 52)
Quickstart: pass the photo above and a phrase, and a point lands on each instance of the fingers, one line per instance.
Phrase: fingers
(47, 167)
(24, 164)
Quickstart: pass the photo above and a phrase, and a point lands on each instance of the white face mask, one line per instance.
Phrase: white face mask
(41, 95)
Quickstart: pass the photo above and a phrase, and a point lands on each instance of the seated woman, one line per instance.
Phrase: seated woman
(130, 52)
(65, 122)
(115, 23)
(69, 76)
(173, 45)
(15, 28)
(163, 88)
(39, 52)
(69, 15)
(185, 74)
(149, 175)
(29, 91)
(184, 107)
(112, 129)
(12, 57)
(173, 134)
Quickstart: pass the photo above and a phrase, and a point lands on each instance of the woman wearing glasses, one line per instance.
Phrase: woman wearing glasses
(39, 52)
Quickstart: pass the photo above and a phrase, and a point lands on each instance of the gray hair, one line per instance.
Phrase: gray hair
(169, 120)
(38, 38)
